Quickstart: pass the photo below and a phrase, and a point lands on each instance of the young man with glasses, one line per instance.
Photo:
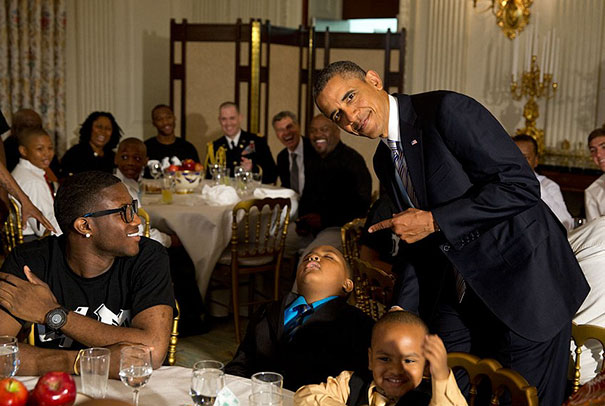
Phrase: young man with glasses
(98, 285)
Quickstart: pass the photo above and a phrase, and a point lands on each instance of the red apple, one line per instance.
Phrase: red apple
(12, 393)
(188, 165)
(54, 389)
(173, 168)
(198, 167)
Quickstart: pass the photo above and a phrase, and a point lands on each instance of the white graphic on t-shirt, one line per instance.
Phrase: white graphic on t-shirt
(104, 315)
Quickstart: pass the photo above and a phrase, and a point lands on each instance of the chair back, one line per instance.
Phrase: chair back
(13, 230)
(521, 392)
(147, 226)
(259, 230)
(580, 334)
(174, 336)
(373, 288)
(350, 234)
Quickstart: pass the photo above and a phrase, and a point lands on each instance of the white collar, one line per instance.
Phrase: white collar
(393, 128)
(299, 148)
(124, 179)
(234, 139)
(28, 165)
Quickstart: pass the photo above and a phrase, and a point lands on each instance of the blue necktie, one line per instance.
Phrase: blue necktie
(302, 310)
(404, 173)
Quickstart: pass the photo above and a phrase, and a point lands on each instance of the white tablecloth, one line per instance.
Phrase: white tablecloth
(204, 230)
(168, 386)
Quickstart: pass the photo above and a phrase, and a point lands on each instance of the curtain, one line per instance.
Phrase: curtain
(32, 61)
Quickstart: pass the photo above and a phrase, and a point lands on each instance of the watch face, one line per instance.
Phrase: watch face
(56, 318)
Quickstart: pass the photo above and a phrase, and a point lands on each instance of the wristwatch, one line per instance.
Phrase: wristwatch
(56, 318)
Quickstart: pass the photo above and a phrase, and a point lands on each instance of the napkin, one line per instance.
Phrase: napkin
(219, 195)
(226, 398)
(262, 192)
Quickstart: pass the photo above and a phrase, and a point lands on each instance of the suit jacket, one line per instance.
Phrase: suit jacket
(495, 229)
(283, 162)
(334, 338)
(261, 157)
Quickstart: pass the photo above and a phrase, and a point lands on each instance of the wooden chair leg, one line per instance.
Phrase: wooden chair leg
(235, 292)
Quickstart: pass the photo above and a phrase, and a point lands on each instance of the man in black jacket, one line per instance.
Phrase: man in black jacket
(310, 336)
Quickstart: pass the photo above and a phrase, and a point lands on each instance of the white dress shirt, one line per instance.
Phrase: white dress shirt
(233, 140)
(134, 188)
(588, 243)
(300, 160)
(594, 199)
(31, 179)
(551, 195)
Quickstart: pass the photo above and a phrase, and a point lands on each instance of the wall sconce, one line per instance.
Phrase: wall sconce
(511, 15)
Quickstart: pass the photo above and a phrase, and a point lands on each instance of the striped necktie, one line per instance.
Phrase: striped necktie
(404, 173)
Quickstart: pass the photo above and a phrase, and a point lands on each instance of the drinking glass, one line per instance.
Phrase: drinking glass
(135, 368)
(206, 382)
(167, 188)
(9, 356)
(266, 399)
(94, 370)
(267, 382)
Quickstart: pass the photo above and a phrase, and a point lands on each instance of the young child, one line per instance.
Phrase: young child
(400, 352)
(37, 151)
(308, 346)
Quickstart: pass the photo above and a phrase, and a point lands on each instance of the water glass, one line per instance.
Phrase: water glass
(94, 370)
(9, 356)
(266, 399)
(256, 179)
(206, 382)
(267, 382)
(135, 368)
(155, 169)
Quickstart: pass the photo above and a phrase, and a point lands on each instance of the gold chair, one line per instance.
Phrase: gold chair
(521, 392)
(13, 230)
(350, 234)
(580, 334)
(373, 288)
(147, 226)
(258, 235)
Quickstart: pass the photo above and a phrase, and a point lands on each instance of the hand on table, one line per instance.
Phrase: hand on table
(29, 299)
(246, 164)
(411, 225)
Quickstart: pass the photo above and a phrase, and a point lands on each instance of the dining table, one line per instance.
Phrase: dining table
(168, 386)
(203, 225)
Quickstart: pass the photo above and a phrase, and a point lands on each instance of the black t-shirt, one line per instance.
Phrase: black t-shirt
(131, 285)
(179, 148)
(81, 158)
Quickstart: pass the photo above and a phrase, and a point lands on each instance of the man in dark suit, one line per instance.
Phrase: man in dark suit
(243, 148)
(293, 160)
(310, 336)
(496, 275)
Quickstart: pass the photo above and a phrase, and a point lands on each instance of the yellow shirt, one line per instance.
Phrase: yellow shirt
(335, 392)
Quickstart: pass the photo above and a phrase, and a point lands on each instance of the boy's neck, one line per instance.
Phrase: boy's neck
(312, 297)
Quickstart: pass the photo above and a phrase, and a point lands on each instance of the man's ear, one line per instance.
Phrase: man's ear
(373, 78)
(82, 226)
(347, 286)
(23, 151)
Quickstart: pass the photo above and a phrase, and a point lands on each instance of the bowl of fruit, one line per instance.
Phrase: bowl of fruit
(187, 177)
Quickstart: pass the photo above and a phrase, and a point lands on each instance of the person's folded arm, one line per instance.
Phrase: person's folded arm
(333, 392)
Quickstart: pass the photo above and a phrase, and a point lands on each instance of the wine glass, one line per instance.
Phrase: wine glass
(135, 368)
(206, 382)
(9, 356)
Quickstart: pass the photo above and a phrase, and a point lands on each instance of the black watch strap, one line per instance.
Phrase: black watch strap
(55, 319)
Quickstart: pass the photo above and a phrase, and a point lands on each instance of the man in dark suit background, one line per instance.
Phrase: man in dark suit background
(496, 275)
(293, 160)
(243, 148)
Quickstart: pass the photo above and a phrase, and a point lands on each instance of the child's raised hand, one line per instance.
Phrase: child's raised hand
(436, 355)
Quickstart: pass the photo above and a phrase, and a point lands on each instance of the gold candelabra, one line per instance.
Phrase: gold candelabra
(511, 15)
(534, 85)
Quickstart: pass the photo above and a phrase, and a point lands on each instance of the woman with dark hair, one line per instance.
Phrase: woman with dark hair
(99, 135)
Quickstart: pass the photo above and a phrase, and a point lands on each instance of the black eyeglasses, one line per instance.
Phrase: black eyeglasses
(127, 212)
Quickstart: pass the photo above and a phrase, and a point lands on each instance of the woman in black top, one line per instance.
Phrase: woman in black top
(99, 135)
